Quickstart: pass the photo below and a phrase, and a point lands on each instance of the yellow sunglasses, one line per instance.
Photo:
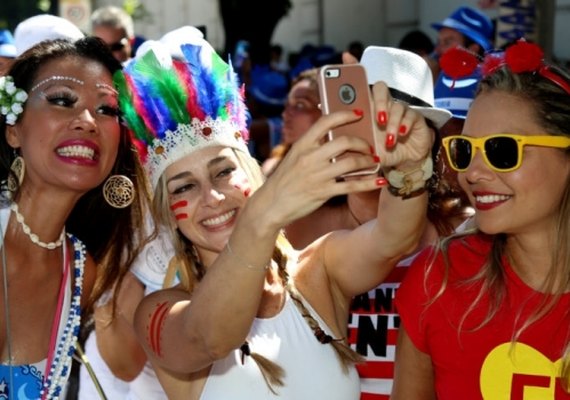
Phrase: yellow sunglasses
(502, 153)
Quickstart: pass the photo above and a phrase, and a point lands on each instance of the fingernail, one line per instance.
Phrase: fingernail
(381, 182)
(358, 112)
(382, 118)
(372, 151)
(376, 158)
(390, 140)
(402, 130)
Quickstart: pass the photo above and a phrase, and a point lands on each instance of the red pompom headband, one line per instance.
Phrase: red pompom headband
(519, 57)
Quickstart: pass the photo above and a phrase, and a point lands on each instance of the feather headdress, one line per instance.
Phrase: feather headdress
(176, 107)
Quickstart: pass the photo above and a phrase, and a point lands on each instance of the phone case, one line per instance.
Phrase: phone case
(345, 87)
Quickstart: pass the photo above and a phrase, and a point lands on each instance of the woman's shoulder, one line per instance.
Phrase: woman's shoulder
(159, 301)
(168, 295)
(163, 298)
(470, 245)
(461, 248)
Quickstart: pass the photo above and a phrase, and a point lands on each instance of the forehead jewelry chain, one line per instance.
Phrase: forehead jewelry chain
(33, 237)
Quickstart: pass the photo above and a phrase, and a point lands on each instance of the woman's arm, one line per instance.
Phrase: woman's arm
(413, 371)
(359, 260)
(116, 338)
(224, 304)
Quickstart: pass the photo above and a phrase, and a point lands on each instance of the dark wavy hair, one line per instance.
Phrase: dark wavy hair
(113, 236)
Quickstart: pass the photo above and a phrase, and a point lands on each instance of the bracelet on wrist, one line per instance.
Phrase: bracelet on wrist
(244, 262)
(410, 183)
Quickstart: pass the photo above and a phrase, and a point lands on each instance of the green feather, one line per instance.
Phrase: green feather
(130, 115)
(164, 85)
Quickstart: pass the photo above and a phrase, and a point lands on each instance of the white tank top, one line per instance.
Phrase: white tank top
(312, 369)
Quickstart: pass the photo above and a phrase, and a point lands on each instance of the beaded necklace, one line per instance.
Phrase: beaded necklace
(60, 358)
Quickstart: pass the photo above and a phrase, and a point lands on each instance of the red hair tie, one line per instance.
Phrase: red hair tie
(520, 57)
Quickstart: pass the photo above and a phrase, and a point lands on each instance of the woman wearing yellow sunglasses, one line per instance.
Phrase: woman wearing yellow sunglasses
(486, 314)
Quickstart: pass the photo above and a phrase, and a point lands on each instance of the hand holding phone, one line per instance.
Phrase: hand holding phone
(345, 87)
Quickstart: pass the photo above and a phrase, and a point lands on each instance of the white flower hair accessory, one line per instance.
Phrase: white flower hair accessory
(12, 99)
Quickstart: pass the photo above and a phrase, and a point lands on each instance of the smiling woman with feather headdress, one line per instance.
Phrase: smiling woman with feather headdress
(248, 307)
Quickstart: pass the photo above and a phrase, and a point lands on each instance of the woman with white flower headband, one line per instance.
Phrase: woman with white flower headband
(253, 319)
(72, 195)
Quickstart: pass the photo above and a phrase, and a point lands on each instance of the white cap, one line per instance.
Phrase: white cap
(42, 27)
(169, 45)
(177, 37)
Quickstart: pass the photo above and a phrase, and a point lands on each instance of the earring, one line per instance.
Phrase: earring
(18, 169)
(119, 191)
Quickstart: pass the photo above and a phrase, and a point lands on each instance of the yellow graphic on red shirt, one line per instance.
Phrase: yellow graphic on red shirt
(520, 372)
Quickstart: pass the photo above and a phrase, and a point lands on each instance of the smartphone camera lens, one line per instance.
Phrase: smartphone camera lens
(332, 73)
(346, 94)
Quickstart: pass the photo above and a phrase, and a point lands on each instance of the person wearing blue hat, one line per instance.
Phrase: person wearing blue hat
(456, 96)
(266, 96)
(7, 50)
(466, 27)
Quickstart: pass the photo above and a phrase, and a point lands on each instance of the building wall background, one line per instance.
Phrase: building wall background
(332, 22)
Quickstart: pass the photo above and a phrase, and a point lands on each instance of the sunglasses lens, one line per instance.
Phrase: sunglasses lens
(120, 45)
(460, 153)
(502, 152)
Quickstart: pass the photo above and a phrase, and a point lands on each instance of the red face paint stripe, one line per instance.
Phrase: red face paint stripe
(156, 320)
(153, 321)
(181, 216)
(181, 203)
(158, 330)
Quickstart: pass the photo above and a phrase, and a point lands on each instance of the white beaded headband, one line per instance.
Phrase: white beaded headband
(56, 78)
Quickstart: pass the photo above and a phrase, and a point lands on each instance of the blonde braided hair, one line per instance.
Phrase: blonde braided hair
(187, 265)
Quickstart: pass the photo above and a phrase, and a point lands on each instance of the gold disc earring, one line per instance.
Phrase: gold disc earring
(119, 191)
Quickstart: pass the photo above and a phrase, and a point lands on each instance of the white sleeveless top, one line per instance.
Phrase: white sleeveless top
(312, 369)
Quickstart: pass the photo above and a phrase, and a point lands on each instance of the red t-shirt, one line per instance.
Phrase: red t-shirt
(481, 363)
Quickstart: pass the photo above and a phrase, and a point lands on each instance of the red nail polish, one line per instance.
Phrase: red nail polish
(381, 182)
(358, 112)
(390, 140)
(372, 150)
(402, 130)
(376, 158)
(382, 118)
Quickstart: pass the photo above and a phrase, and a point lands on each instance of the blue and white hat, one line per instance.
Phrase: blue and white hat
(471, 23)
(456, 95)
(268, 86)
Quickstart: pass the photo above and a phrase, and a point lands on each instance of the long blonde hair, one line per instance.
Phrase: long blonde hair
(190, 271)
(552, 105)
